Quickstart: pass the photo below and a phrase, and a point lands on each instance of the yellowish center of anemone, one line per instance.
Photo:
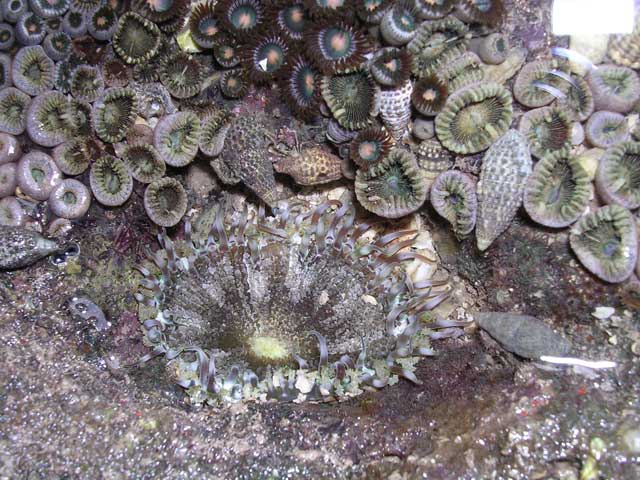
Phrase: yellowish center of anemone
(268, 348)
(429, 95)
(211, 30)
(339, 41)
(101, 21)
(335, 3)
(391, 65)
(273, 56)
(232, 82)
(366, 150)
(297, 15)
(245, 20)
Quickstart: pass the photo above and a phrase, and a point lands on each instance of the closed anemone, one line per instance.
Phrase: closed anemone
(493, 49)
(618, 175)
(182, 75)
(453, 196)
(371, 11)
(29, 29)
(547, 129)
(136, 39)
(12, 10)
(10, 149)
(7, 37)
(558, 190)
(143, 162)
(49, 8)
(260, 316)
(336, 47)
(474, 117)
(486, 12)
(393, 188)
(266, 56)
(398, 26)
(234, 83)
(57, 45)
(74, 24)
(534, 75)
(370, 146)
(214, 129)
(605, 129)
(290, 19)
(353, 98)
(11, 212)
(32, 70)
(204, 25)
(114, 113)
(8, 179)
(37, 175)
(176, 138)
(103, 23)
(14, 105)
(70, 199)
(241, 17)
(85, 6)
(300, 84)
(391, 66)
(429, 95)
(45, 123)
(165, 201)
(606, 243)
(110, 180)
(87, 83)
(434, 9)
(614, 88)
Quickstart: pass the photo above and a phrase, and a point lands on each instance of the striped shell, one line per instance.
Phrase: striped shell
(395, 109)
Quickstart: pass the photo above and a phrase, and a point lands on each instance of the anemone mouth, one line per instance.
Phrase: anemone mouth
(114, 113)
(182, 75)
(32, 70)
(45, 122)
(434, 9)
(205, 27)
(14, 105)
(300, 82)
(393, 188)
(214, 130)
(391, 67)
(494, 48)
(606, 243)
(371, 11)
(86, 83)
(536, 81)
(49, 8)
(353, 98)
(336, 47)
(241, 17)
(144, 162)
(606, 129)
(429, 95)
(115, 73)
(234, 83)
(547, 129)
(399, 24)
(618, 175)
(176, 138)
(136, 39)
(103, 23)
(111, 182)
(266, 57)
(614, 88)
(453, 196)
(474, 117)
(165, 201)
(370, 146)
(557, 191)
(237, 311)
(291, 20)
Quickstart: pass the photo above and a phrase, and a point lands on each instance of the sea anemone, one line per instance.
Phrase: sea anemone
(8, 179)
(226, 52)
(578, 99)
(114, 113)
(116, 73)
(399, 24)
(265, 57)
(434, 9)
(289, 18)
(144, 162)
(70, 199)
(53, 24)
(32, 70)
(176, 138)
(618, 175)
(103, 23)
(73, 156)
(10, 149)
(49, 8)
(492, 49)
(37, 175)
(393, 188)
(57, 45)
(110, 180)
(76, 118)
(453, 196)
(13, 10)
(535, 82)
(182, 75)
(370, 146)
(252, 303)
(11, 212)
(45, 124)
(606, 129)
(136, 39)
(606, 243)
(391, 67)
(353, 98)
(214, 129)
(332, 9)
(429, 95)
(336, 47)
(558, 190)
(547, 129)
(461, 71)
(165, 201)
(87, 83)
(7, 37)
(29, 29)
(204, 25)
(371, 11)
(474, 117)
(5, 71)
(300, 84)
(161, 11)
(85, 6)
(74, 24)
(234, 83)
(241, 18)
(14, 105)
(486, 12)
(614, 88)
(147, 72)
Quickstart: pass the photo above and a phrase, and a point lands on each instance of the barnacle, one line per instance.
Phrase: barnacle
(37, 175)
(618, 175)
(241, 17)
(530, 86)
(111, 182)
(429, 95)
(136, 39)
(176, 138)
(371, 11)
(165, 201)
(578, 99)
(87, 83)
(85, 6)
(7, 37)
(254, 306)
(558, 190)
(204, 26)
(182, 75)
(29, 29)
(226, 52)
(70, 199)
(474, 117)
(116, 73)
(214, 129)
(114, 113)
(370, 146)
(606, 243)
(234, 83)
(614, 88)
(453, 196)
(73, 156)
(14, 105)
(336, 47)
(45, 124)
(487, 12)
(11, 11)
(57, 45)
(434, 9)
(391, 66)
(32, 70)
(547, 129)
(393, 188)
(353, 98)
(493, 49)
(606, 129)
(265, 56)
(398, 26)
(103, 23)
(74, 24)
(49, 8)
(144, 162)
(300, 84)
